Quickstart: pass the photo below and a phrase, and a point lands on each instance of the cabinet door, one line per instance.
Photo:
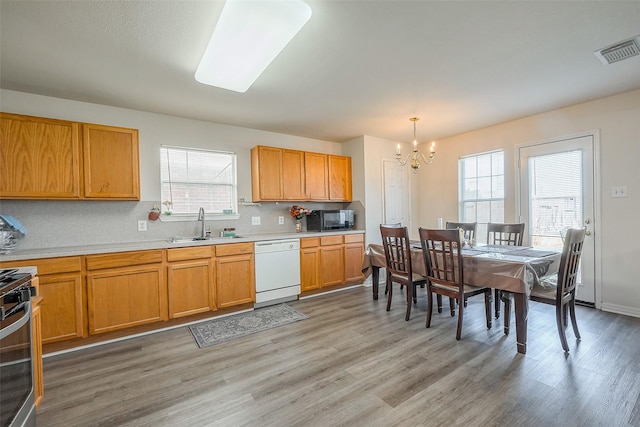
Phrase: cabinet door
(62, 307)
(266, 173)
(353, 256)
(121, 298)
(190, 285)
(293, 187)
(235, 280)
(316, 176)
(111, 164)
(310, 268)
(339, 178)
(332, 259)
(40, 158)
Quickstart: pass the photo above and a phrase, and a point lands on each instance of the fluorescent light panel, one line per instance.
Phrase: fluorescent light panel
(248, 36)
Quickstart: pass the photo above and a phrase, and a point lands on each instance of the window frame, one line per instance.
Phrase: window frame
(193, 216)
(462, 201)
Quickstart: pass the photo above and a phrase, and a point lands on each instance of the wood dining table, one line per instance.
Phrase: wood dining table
(510, 268)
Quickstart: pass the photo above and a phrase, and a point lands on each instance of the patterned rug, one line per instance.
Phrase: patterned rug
(225, 329)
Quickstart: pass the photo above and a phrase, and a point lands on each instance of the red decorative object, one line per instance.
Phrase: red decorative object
(298, 212)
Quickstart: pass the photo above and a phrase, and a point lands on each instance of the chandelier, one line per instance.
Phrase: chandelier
(416, 156)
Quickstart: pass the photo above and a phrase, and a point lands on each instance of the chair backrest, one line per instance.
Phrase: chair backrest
(505, 234)
(397, 250)
(570, 261)
(468, 227)
(442, 257)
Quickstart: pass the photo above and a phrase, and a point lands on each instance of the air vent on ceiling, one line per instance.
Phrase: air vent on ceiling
(619, 51)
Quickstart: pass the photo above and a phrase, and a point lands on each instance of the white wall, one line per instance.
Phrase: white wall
(71, 223)
(618, 120)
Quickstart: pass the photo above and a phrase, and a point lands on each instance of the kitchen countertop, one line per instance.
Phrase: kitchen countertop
(53, 252)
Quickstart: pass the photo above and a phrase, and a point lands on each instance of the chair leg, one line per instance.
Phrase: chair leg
(572, 313)
(415, 293)
(496, 297)
(429, 306)
(460, 315)
(408, 315)
(452, 306)
(506, 297)
(389, 296)
(560, 324)
(439, 299)
(487, 307)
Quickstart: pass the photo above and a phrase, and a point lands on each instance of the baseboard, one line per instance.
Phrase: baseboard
(620, 309)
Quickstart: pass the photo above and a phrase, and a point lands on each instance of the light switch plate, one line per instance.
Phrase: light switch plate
(281, 220)
(142, 225)
(619, 191)
(255, 220)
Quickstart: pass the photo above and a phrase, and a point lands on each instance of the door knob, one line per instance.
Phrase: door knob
(587, 221)
(587, 233)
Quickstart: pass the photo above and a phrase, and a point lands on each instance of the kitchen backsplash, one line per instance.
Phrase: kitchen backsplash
(52, 224)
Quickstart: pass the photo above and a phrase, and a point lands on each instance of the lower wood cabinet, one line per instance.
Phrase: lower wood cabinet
(125, 289)
(234, 274)
(61, 286)
(310, 264)
(190, 281)
(331, 260)
(353, 256)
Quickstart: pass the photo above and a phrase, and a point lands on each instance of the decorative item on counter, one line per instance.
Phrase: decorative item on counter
(10, 230)
(297, 213)
(168, 207)
(154, 213)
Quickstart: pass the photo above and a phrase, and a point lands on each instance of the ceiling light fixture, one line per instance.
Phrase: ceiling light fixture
(416, 156)
(248, 36)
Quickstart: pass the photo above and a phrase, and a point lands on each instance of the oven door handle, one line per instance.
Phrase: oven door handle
(5, 332)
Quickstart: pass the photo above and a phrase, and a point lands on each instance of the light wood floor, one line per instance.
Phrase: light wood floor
(354, 364)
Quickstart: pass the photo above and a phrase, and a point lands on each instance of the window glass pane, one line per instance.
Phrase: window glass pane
(484, 212)
(469, 165)
(484, 165)
(469, 212)
(497, 211)
(470, 190)
(497, 187)
(497, 163)
(484, 187)
(193, 178)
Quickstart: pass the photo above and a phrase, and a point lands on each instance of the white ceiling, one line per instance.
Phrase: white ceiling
(357, 67)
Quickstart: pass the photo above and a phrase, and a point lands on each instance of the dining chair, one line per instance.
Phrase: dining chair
(397, 253)
(441, 251)
(560, 289)
(503, 234)
(468, 227)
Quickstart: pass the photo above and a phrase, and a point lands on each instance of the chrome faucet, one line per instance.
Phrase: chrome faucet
(201, 218)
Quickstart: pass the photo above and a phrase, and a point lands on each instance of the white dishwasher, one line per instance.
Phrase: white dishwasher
(277, 265)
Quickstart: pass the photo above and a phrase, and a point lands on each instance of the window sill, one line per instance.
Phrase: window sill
(194, 217)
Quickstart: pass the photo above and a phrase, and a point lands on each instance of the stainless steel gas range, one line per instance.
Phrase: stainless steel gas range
(16, 350)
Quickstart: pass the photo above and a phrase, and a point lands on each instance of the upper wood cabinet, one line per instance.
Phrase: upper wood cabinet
(339, 178)
(316, 176)
(40, 158)
(51, 159)
(111, 164)
(279, 174)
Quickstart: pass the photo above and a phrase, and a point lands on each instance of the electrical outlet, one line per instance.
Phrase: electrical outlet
(255, 220)
(280, 220)
(142, 225)
(620, 191)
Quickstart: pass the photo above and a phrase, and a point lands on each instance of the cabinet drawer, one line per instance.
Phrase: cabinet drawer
(234, 249)
(49, 265)
(310, 242)
(123, 259)
(181, 254)
(353, 238)
(330, 240)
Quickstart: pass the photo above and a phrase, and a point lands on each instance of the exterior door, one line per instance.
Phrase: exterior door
(396, 193)
(557, 192)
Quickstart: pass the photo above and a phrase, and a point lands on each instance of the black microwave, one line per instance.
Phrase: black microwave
(330, 220)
